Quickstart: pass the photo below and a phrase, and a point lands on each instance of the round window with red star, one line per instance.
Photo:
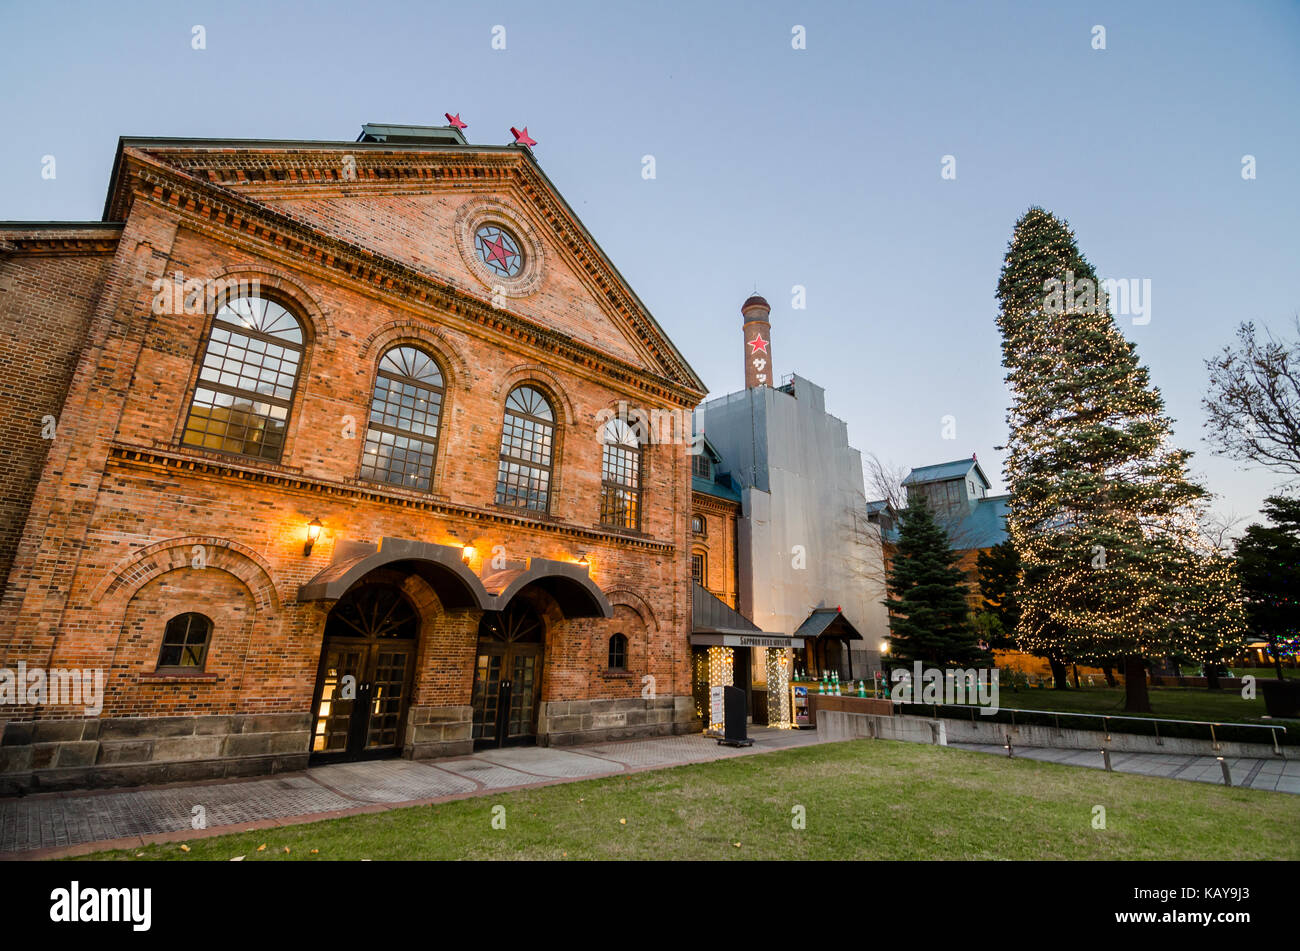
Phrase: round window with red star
(499, 251)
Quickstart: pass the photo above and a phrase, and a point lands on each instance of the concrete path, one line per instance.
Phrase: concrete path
(51, 825)
(1275, 774)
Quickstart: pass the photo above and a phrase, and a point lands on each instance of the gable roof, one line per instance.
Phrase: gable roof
(943, 471)
(224, 180)
(828, 622)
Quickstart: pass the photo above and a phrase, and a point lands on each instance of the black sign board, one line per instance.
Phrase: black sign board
(734, 731)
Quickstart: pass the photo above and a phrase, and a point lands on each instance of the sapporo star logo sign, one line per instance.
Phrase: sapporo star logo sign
(757, 345)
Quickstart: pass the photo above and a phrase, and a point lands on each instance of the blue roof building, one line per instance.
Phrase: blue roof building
(958, 494)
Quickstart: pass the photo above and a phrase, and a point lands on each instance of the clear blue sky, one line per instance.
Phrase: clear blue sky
(775, 167)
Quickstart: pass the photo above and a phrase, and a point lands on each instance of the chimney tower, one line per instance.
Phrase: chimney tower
(758, 342)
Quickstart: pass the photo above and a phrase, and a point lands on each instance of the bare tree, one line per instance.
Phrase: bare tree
(885, 481)
(1253, 401)
(1219, 530)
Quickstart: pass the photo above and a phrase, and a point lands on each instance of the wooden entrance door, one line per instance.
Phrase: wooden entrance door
(507, 677)
(367, 666)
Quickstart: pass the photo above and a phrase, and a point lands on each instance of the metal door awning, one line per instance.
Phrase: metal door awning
(714, 624)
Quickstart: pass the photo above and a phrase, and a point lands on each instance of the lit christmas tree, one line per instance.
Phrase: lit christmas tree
(1102, 509)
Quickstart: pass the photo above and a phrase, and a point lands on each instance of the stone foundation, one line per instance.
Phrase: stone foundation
(438, 731)
(569, 722)
(41, 755)
(51, 755)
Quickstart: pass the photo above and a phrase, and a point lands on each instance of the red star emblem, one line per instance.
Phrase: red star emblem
(758, 344)
(454, 121)
(521, 138)
(497, 251)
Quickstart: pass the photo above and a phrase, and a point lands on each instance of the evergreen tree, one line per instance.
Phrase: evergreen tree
(929, 615)
(999, 576)
(1268, 561)
(1102, 509)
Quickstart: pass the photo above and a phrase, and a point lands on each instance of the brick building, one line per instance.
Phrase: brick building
(324, 449)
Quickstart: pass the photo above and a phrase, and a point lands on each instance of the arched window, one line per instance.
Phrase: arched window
(527, 439)
(620, 476)
(402, 436)
(618, 652)
(247, 379)
(185, 643)
(697, 524)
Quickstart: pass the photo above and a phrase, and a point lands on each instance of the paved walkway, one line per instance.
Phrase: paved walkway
(49, 825)
(1275, 774)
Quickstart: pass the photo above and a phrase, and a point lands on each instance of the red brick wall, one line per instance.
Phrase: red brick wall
(45, 306)
(718, 544)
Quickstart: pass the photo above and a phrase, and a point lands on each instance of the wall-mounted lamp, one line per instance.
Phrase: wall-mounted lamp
(467, 554)
(884, 647)
(313, 533)
(583, 560)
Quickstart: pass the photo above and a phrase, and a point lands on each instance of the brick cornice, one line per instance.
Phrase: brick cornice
(160, 460)
(55, 243)
(199, 185)
(709, 503)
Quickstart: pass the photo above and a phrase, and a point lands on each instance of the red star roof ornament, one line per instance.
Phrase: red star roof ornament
(521, 138)
(454, 121)
(758, 344)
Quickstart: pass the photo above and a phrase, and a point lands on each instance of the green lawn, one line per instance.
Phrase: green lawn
(863, 799)
(1291, 673)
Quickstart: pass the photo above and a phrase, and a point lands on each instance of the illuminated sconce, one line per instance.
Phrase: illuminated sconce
(884, 647)
(583, 561)
(467, 554)
(313, 533)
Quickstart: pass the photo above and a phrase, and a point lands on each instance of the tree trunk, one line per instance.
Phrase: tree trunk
(1136, 697)
(1060, 678)
(1212, 681)
(1277, 660)
(1076, 676)
(1109, 671)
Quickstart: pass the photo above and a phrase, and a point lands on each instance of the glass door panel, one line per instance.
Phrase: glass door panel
(387, 695)
(487, 694)
(334, 712)
(522, 702)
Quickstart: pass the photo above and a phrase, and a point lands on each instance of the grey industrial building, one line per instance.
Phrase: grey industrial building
(810, 562)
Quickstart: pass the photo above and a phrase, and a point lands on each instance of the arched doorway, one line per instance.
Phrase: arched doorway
(508, 676)
(363, 685)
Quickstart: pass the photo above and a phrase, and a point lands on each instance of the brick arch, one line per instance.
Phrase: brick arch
(320, 326)
(547, 381)
(419, 334)
(634, 602)
(122, 581)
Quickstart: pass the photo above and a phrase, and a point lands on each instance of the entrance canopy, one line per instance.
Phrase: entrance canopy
(569, 584)
(714, 624)
(443, 567)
